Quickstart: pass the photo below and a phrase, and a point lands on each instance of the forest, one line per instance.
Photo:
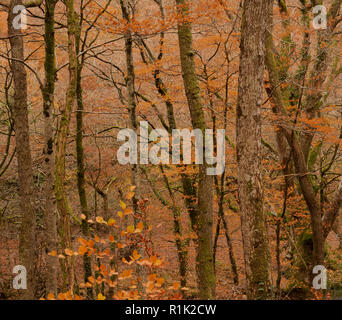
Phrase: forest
(170, 150)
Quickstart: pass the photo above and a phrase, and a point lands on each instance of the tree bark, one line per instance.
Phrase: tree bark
(130, 82)
(27, 242)
(62, 136)
(80, 153)
(249, 147)
(203, 222)
(49, 152)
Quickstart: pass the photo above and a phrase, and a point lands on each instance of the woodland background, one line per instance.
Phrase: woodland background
(86, 227)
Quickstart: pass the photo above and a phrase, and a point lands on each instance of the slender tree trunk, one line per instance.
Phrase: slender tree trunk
(130, 81)
(230, 246)
(182, 245)
(298, 152)
(49, 160)
(63, 130)
(27, 243)
(248, 136)
(80, 157)
(203, 222)
(177, 229)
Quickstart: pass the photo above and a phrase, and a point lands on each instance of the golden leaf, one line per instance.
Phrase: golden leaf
(91, 279)
(52, 253)
(68, 252)
(140, 227)
(160, 282)
(130, 229)
(152, 277)
(136, 255)
(111, 222)
(82, 241)
(129, 195)
(82, 250)
(120, 245)
(123, 205)
(51, 296)
(100, 296)
(61, 296)
(100, 220)
(68, 295)
(158, 262)
(128, 211)
(176, 285)
(91, 243)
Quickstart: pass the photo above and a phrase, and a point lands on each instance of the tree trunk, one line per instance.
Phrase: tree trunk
(49, 160)
(299, 158)
(63, 131)
(204, 216)
(80, 156)
(27, 243)
(249, 147)
(130, 82)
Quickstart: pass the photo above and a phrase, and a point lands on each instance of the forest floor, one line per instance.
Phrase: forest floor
(162, 235)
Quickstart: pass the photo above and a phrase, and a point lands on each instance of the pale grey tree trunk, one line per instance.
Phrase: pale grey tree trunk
(249, 147)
